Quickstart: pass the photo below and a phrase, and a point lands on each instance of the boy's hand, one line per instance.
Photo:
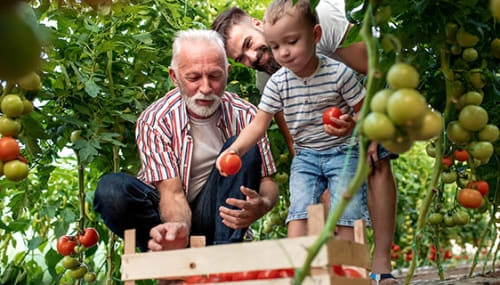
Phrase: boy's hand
(217, 162)
(346, 125)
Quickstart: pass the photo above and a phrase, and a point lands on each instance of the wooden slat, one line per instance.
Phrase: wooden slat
(129, 248)
(347, 252)
(269, 254)
(315, 219)
(310, 280)
(360, 237)
(197, 241)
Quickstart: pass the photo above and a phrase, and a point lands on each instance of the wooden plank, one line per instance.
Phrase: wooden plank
(348, 252)
(129, 248)
(315, 219)
(360, 237)
(310, 280)
(197, 241)
(269, 254)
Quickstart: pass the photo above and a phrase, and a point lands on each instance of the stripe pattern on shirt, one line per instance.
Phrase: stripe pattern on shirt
(304, 100)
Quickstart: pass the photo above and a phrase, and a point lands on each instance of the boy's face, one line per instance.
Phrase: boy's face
(246, 44)
(293, 43)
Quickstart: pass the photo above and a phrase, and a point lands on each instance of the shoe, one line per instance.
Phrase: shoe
(382, 276)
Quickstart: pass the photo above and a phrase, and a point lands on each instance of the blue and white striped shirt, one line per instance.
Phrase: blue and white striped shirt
(304, 100)
(166, 147)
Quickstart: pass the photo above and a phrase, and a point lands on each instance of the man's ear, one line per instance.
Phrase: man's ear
(171, 72)
(257, 23)
(317, 33)
(228, 69)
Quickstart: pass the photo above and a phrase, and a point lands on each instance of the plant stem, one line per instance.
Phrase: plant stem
(479, 247)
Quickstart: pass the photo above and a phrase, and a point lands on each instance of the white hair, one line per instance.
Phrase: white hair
(209, 36)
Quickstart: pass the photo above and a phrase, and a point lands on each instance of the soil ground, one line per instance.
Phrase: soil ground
(452, 275)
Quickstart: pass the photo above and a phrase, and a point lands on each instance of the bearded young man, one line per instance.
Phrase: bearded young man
(178, 191)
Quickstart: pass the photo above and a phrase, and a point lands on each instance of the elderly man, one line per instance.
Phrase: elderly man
(245, 43)
(178, 191)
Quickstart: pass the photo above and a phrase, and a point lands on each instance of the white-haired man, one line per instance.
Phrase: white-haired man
(178, 191)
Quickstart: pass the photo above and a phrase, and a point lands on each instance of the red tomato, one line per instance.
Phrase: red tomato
(447, 254)
(396, 248)
(9, 149)
(338, 270)
(466, 256)
(287, 273)
(351, 272)
(89, 238)
(461, 155)
(245, 275)
(329, 113)
(230, 163)
(269, 274)
(458, 257)
(66, 245)
(470, 198)
(448, 161)
(482, 186)
(394, 256)
(22, 158)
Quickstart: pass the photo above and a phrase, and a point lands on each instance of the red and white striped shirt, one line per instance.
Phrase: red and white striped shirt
(166, 147)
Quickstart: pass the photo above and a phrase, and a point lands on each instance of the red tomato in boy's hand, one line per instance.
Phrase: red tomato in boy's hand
(89, 238)
(331, 112)
(230, 163)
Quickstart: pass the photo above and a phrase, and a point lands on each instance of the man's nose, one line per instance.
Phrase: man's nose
(251, 57)
(205, 86)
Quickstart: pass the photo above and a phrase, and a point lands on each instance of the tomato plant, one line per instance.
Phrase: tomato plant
(66, 245)
(332, 112)
(230, 163)
(89, 238)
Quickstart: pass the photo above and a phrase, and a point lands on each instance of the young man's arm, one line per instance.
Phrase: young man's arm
(355, 55)
(175, 213)
(248, 137)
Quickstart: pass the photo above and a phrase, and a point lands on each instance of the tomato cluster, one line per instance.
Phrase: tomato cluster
(71, 246)
(400, 115)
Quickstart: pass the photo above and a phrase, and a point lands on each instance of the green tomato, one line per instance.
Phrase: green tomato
(430, 127)
(379, 100)
(481, 150)
(89, 277)
(406, 107)
(495, 47)
(430, 148)
(476, 79)
(451, 32)
(473, 118)
(398, 145)
(449, 177)
(458, 88)
(69, 262)
(488, 133)
(456, 133)
(460, 218)
(466, 39)
(435, 218)
(378, 127)
(402, 75)
(15, 170)
(28, 107)
(456, 49)
(78, 272)
(12, 106)
(75, 135)
(470, 54)
(448, 221)
(471, 98)
(30, 82)
(9, 127)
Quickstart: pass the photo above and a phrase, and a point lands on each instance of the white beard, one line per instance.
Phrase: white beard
(202, 111)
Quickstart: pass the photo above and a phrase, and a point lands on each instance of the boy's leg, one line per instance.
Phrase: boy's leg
(306, 185)
(124, 203)
(206, 219)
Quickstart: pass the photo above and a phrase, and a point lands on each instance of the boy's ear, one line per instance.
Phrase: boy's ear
(317, 33)
(257, 23)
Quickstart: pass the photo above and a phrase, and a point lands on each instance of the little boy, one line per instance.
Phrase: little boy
(305, 87)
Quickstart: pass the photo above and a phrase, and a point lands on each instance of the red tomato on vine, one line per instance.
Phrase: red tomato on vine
(66, 245)
(482, 186)
(470, 198)
(461, 155)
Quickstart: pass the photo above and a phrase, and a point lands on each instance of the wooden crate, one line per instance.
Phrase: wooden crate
(249, 256)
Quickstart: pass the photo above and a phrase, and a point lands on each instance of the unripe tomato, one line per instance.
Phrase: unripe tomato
(398, 145)
(430, 148)
(28, 107)
(448, 221)
(456, 49)
(332, 112)
(476, 79)
(378, 127)
(466, 39)
(488, 133)
(66, 245)
(461, 155)
(473, 118)
(75, 135)
(470, 198)
(379, 100)
(15, 170)
(495, 48)
(435, 218)
(481, 150)
(9, 127)
(69, 262)
(230, 163)
(456, 133)
(9, 149)
(495, 9)
(482, 186)
(79, 272)
(469, 54)
(460, 218)
(30, 81)
(402, 75)
(89, 238)
(12, 105)
(430, 127)
(451, 32)
(406, 107)
(458, 88)
(89, 277)
(471, 98)
(449, 177)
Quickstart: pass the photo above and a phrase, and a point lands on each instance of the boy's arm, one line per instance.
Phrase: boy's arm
(248, 137)
(280, 120)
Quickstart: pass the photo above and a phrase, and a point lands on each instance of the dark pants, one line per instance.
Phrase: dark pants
(124, 202)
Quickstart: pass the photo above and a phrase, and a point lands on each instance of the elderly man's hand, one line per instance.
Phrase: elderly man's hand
(345, 126)
(251, 209)
(168, 236)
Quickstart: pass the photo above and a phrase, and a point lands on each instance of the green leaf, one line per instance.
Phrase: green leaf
(69, 215)
(91, 88)
(86, 150)
(129, 117)
(19, 225)
(51, 260)
(35, 243)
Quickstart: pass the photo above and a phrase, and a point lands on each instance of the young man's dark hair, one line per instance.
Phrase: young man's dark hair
(225, 20)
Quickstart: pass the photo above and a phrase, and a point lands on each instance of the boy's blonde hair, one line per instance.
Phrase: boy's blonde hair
(278, 8)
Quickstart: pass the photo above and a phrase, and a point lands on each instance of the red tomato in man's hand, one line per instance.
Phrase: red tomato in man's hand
(331, 112)
(230, 163)
(269, 274)
(89, 238)
(66, 245)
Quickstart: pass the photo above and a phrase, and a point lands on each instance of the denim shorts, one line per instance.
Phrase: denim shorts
(313, 171)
